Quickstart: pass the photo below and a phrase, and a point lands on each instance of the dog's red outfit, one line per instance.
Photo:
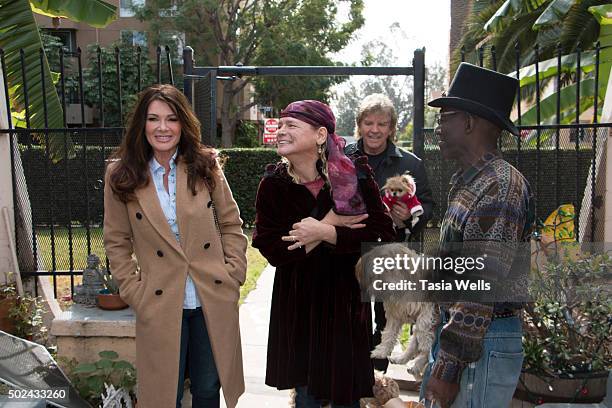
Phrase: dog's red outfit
(411, 201)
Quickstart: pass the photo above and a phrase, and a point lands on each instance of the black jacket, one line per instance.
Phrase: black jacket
(399, 161)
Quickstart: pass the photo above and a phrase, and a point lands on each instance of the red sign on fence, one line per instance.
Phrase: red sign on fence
(270, 128)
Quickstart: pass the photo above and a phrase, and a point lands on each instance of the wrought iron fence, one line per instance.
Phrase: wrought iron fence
(61, 204)
(58, 195)
(557, 151)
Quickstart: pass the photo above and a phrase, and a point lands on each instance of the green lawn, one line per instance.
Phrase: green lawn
(256, 262)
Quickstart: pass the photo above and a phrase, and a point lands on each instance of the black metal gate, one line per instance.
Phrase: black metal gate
(200, 85)
(204, 104)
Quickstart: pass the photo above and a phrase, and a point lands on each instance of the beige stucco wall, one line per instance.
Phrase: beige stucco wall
(82, 332)
(6, 189)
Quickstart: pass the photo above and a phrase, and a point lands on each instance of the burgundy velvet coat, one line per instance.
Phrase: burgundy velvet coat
(319, 328)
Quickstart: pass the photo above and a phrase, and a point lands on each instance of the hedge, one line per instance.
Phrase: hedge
(244, 168)
(546, 191)
(52, 187)
(49, 187)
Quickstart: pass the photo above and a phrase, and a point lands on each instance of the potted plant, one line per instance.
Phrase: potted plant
(567, 342)
(27, 316)
(108, 298)
(20, 315)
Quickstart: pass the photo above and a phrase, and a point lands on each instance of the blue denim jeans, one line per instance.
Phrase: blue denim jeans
(195, 344)
(305, 400)
(490, 381)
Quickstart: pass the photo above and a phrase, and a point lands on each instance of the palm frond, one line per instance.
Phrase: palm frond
(580, 28)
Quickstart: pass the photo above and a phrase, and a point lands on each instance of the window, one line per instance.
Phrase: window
(169, 12)
(67, 37)
(135, 38)
(168, 8)
(126, 7)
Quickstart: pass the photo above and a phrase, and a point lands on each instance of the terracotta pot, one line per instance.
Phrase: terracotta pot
(110, 301)
(537, 389)
(6, 323)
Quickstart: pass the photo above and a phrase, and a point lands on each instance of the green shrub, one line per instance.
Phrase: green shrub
(247, 134)
(89, 378)
(57, 191)
(244, 168)
(50, 185)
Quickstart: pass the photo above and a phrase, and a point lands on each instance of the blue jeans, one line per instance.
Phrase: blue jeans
(305, 400)
(205, 384)
(490, 381)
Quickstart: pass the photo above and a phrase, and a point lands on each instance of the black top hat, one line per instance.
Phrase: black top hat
(484, 93)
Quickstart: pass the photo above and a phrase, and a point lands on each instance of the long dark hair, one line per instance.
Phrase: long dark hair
(132, 169)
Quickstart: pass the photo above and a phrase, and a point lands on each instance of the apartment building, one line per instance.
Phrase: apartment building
(127, 28)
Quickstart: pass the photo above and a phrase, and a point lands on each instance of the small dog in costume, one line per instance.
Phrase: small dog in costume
(403, 189)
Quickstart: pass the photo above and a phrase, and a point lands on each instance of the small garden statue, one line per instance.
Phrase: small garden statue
(86, 293)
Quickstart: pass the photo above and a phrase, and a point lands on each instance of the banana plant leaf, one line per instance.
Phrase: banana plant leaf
(554, 13)
(567, 95)
(548, 105)
(548, 68)
(18, 31)
(96, 13)
(602, 13)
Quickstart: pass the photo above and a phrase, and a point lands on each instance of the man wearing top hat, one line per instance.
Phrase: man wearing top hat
(477, 355)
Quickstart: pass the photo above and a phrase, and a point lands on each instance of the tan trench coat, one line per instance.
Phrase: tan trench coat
(151, 268)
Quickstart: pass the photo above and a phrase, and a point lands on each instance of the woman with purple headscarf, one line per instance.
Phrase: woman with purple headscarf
(314, 209)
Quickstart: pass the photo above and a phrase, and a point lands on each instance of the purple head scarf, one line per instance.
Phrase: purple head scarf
(340, 169)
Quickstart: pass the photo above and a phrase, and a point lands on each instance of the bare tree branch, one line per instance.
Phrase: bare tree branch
(243, 83)
(246, 107)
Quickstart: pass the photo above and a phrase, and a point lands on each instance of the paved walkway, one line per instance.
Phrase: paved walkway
(254, 318)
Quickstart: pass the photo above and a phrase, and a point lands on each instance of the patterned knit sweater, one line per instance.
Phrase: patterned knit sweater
(491, 202)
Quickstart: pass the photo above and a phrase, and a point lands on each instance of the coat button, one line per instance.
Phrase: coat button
(160, 253)
(158, 292)
(207, 245)
(209, 204)
(218, 282)
(139, 216)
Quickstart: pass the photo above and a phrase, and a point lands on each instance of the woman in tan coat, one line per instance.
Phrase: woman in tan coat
(172, 233)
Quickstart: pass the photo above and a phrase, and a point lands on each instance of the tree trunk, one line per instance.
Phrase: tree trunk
(228, 116)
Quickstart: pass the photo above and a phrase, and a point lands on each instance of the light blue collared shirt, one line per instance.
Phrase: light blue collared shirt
(167, 200)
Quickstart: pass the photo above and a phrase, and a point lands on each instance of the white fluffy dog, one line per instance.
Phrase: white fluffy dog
(399, 310)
